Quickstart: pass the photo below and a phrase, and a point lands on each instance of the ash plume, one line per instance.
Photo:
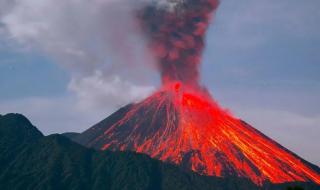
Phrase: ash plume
(176, 34)
(116, 39)
(108, 39)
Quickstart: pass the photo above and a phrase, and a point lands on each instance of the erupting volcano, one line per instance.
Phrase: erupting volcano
(181, 123)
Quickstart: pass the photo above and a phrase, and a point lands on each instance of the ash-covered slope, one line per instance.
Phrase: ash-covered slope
(183, 127)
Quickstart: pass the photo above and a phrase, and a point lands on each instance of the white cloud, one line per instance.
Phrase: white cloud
(96, 40)
(83, 35)
(99, 91)
(93, 98)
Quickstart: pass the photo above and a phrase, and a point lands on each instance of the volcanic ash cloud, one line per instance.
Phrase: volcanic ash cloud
(176, 36)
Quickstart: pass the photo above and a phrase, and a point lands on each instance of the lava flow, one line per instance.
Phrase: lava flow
(181, 123)
(187, 128)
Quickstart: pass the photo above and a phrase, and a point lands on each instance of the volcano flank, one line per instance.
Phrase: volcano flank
(187, 128)
(181, 123)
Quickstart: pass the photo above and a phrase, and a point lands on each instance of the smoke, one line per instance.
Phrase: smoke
(87, 34)
(176, 36)
(110, 39)
(96, 39)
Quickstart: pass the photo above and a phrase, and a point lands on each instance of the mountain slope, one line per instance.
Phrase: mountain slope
(189, 129)
(55, 162)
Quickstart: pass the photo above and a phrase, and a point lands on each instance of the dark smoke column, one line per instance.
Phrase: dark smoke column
(176, 36)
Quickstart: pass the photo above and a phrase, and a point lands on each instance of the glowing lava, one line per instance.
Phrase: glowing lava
(187, 128)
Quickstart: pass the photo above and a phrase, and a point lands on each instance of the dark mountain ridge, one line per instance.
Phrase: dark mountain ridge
(30, 160)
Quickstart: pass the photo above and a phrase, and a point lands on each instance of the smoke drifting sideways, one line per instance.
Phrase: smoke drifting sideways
(91, 35)
(103, 41)
(176, 37)
(97, 42)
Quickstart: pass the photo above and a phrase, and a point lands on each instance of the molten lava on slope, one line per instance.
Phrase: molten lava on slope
(187, 128)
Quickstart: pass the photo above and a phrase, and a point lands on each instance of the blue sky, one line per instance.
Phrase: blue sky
(262, 62)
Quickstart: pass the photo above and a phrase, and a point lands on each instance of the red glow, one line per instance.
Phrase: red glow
(190, 129)
(177, 87)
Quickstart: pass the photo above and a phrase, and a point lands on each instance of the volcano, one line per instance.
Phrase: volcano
(181, 123)
(187, 128)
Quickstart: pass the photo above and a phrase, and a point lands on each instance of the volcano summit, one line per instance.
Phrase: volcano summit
(181, 123)
(187, 128)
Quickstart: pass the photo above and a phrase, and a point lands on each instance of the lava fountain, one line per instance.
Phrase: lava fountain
(181, 123)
